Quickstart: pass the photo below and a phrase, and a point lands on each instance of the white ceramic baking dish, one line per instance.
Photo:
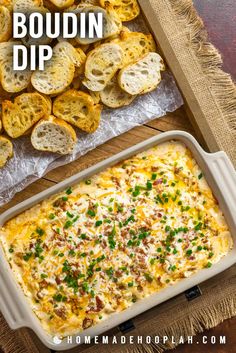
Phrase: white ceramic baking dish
(221, 177)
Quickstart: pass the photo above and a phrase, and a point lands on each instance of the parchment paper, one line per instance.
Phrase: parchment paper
(29, 165)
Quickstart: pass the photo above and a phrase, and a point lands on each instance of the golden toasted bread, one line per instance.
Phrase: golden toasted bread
(11, 81)
(6, 150)
(59, 71)
(135, 45)
(62, 4)
(20, 115)
(79, 109)
(101, 65)
(114, 97)
(53, 135)
(5, 24)
(142, 76)
(127, 10)
(112, 23)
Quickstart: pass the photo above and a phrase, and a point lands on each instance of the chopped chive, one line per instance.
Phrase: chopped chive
(40, 232)
(98, 223)
(154, 176)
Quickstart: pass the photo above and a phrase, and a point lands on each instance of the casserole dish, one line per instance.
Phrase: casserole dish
(221, 178)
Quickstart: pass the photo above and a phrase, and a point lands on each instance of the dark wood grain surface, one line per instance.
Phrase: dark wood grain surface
(219, 17)
(220, 20)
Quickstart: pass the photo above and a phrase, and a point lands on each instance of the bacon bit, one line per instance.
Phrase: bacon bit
(177, 170)
(100, 306)
(87, 323)
(116, 181)
(61, 312)
(118, 273)
(88, 224)
(140, 288)
(158, 182)
(58, 280)
(60, 203)
(154, 169)
(43, 284)
(104, 244)
(159, 215)
(39, 295)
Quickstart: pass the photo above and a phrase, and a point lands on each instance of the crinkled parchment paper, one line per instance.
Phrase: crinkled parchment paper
(29, 164)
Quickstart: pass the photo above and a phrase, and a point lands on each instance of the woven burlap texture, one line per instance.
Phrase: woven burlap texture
(212, 91)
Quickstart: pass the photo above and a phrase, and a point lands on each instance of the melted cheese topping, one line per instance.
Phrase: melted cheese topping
(108, 242)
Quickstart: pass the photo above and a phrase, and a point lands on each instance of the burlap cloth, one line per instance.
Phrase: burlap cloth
(216, 101)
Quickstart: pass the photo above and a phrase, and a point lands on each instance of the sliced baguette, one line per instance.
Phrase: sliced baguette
(78, 109)
(59, 71)
(111, 22)
(30, 6)
(101, 65)
(142, 76)
(5, 24)
(6, 150)
(135, 45)
(62, 4)
(20, 116)
(11, 81)
(127, 10)
(53, 135)
(114, 97)
(7, 3)
(90, 2)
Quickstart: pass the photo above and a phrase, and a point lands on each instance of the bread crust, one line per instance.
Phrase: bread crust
(6, 150)
(142, 76)
(78, 108)
(5, 24)
(26, 110)
(52, 146)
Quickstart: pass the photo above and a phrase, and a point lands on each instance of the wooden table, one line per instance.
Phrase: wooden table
(173, 121)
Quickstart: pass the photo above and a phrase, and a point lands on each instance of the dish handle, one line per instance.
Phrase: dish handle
(225, 175)
(10, 307)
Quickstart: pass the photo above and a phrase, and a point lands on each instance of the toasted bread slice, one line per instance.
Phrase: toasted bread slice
(6, 150)
(7, 3)
(142, 76)
(111, 22)
(27, 109)
(5, 24)
(114, 97)
(90, 2)
(53, 135)
(79, 109)
(62, 4)
(135, 45)
(0, 122)
(127, 10)
(59, 71)
(30, 6)
(11, 81)
(101, 65)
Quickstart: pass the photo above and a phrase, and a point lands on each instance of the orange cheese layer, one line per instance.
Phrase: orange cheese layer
(110, 241)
